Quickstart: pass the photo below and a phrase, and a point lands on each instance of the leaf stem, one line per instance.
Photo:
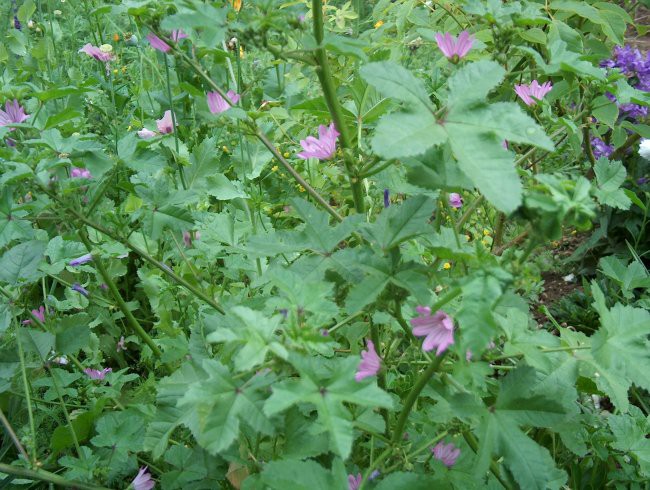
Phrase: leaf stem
(13, 436)
(175, 127)
(473, 443)
(42, 475)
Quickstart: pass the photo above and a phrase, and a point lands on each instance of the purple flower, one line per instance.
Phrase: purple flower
(120, 344)
(177, 35)
(218, 104)
(322, 147)
(96, 53)
(187, 238)
(80, 289)
(642, 180)
(96, 374)
(80, 173)
(157, 43)
(166, 124)
(455, 200)
(386, 198)
(354, 482)
(446, 453)
(600, 148)
(370, 362)
(13, 114)
(17, 24)
(438, 329)
(143, 480)
(40, 314)
(454, 48)
(374, 475)
(84, 259)
(145, 133)
(530, 94)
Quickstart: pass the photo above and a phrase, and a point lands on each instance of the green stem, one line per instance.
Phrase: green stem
(175, 127)
(73, 433)
(110, 81)
(329, 92)
(131, 320)
(30, 413)
(13, 436)
(46, 476)
(473, 443)
(381, 376)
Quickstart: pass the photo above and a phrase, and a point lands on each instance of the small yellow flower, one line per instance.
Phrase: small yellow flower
(274, 168)
(241, 51)
(115, 71)
(225, 149)
(301, 188)
(378, 24)
(469, 238)
(486, 232)
(124, 69)
(573, 232)
(446, 266)
(129, 128)
(438, 288)
(236, 4)
(485, 242)
(286, 154)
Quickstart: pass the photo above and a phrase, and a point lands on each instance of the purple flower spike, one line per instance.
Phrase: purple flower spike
(455, 200)
(97, 374)
(455, 48)
(157, 43)
(96, 53)
(13, 114)
(217, 104)
(80, 173)
(530, 94)
(446, 453)
(80, 289)
(84, 259)
(166, 124)
(143, 480)
(386, 198)
(370, 362)
(438, 329)
(600, 148)
(354, 482)
(322, 147)
(177, 35)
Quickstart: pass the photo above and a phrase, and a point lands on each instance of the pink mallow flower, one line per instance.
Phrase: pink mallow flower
(96, 53)
(166, 124)
(13, 114)
(354, 482)
(143, 480)
(80, 173)
(530, 94)
(40, 314)
(322, 147)
(446, 453)
(455, 48)
(145, 133)
(177, 35)
(455, 200)
(438, 329)
(217, 104)
(370, 362)
(97, 374)
(157, 43)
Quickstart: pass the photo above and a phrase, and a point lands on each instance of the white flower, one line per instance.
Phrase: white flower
(644, 149)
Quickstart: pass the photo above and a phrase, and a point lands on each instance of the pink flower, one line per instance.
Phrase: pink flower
(166, 124)
(354, 482)
(446, 453)
(187, 238)
(177, 35)
(120, 344)
(13, 114)
(80, 173)
(455, 200)
(96, 53)
(157, 43)
(40, 314)
(217, 104)
(438, 329)
(145, 133)
(322, 147)
(454, 49)
(370, 362)
(143, 480)
(96, 374)
(530, 94)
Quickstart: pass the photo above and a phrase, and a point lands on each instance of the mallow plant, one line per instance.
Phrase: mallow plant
(281, 245)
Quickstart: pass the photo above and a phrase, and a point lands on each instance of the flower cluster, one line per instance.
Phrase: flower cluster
(636, 67)
(600, 148)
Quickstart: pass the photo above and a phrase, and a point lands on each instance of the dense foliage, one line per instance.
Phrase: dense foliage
(296, 245)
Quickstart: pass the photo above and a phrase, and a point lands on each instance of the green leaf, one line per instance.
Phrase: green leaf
(628, 277)
(473, 82)
(346, 46)
(411, 481)
(159, 430)
(393, 80)
(605, 110)
(298, 475)
(631, 432)
(224, 189)
(400, 222)
(122, 431)
(328, 389)
(217, 404)
(72, 333)
(82, 424)
(405, 134)
(610, 176)
(20, 263)
(188, 467)
(204, 162)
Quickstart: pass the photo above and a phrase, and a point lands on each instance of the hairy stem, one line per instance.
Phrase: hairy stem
(46, 476)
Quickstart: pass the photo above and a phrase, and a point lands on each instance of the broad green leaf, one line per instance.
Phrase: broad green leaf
(121, 431)
(395, 81)
(610, 176)
(160, 429)
(204, 162)
(629, 277)
(411, 481)
(20, 263)
(72, 333)
(297, 475)
(224, 189)
(406, 134)
(631, 432)
(188, 465)
(474, 81)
